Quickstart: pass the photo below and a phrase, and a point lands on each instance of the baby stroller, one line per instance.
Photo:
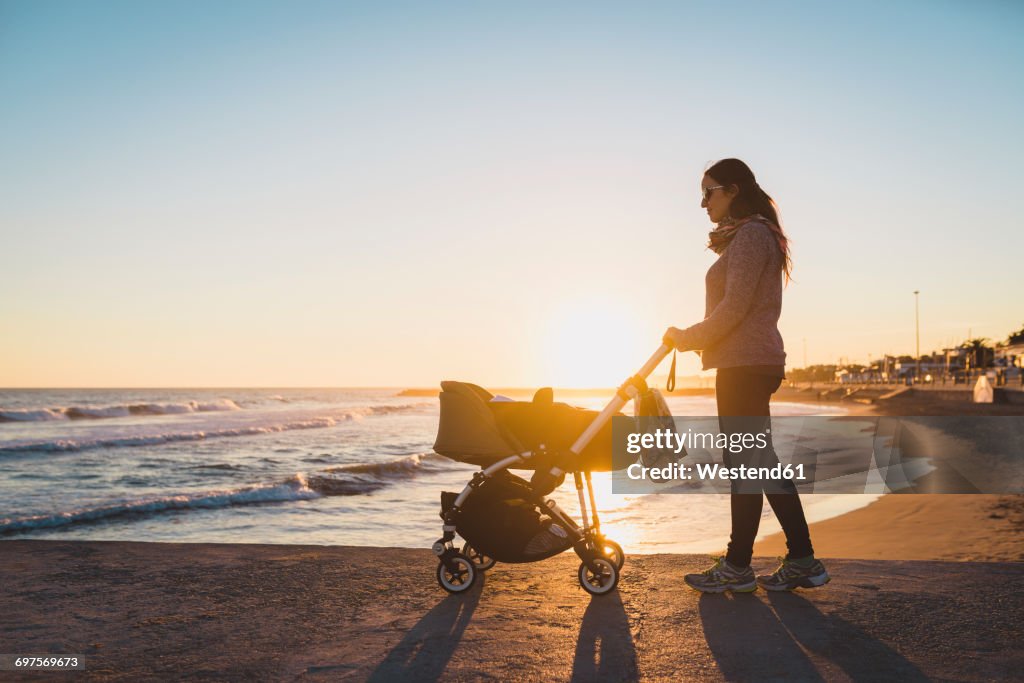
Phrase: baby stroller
(505, 518)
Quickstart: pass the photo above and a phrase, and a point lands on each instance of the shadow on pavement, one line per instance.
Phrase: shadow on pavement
(749, 643)
(604, 649)
(861, 656)
(424, 652)
(754, 640)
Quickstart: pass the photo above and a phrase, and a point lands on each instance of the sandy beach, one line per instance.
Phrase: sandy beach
(921, 527)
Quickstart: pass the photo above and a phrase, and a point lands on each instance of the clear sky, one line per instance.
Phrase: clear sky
(392, 194)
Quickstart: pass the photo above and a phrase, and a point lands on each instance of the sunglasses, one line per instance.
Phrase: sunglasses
(706, 192)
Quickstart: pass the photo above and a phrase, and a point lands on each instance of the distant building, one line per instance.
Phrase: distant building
(1009, 356)
(933, 366)
(858, 375)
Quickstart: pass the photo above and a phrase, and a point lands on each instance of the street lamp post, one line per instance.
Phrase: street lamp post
(917, 334)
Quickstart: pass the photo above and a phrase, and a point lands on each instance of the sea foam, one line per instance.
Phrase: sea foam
(157, 438)
(122, 410)
(295, 488)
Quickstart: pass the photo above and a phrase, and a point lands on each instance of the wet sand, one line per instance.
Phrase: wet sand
(152, 611)
(920, 527)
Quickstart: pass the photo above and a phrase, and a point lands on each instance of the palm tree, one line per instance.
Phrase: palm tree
(981, 353)
(1016, 337)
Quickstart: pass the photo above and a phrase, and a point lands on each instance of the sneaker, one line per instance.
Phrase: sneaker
(722, 577)
(790, 575)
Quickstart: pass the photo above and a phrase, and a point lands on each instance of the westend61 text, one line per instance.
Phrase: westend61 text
(667, 439)
(712, 471)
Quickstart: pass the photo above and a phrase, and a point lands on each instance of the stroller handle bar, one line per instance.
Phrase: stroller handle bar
(620, 399)
(654, 361)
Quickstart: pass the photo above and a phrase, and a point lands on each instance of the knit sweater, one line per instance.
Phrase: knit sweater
(743, 302)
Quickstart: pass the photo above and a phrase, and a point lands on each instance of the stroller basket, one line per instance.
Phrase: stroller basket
(476, 429)
(500, 521)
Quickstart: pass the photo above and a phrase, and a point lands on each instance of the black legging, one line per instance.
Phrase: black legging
(740, 392)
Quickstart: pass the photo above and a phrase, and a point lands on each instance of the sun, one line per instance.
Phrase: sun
(595, 343)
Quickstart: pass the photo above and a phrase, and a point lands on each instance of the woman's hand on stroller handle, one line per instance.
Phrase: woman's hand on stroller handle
(672, 340)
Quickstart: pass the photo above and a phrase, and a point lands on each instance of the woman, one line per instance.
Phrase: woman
(740, 337)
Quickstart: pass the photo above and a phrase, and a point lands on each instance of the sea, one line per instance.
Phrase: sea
(350, 467)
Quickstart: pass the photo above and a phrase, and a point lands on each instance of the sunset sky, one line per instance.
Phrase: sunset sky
(393, 194)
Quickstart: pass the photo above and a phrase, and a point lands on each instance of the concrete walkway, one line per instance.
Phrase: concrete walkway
(151, 611)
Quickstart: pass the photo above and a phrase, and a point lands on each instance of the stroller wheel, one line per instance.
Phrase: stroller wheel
(613, 551)
(458, 579)
(602, 582)
(479, 560)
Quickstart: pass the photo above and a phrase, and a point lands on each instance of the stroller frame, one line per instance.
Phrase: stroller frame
(601, 558)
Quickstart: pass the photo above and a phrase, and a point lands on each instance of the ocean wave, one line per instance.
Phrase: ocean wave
(61, 445)
(123, 410)
(343, 480)
(364, 478)
(367, 411)
(65, 445)
(295, 488)
(402, 467)
(331, 486)
(26, 415)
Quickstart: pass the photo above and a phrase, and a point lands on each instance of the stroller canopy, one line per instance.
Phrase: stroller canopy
(476, 429)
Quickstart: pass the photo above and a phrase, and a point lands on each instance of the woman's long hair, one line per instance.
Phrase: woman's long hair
(751, 200)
